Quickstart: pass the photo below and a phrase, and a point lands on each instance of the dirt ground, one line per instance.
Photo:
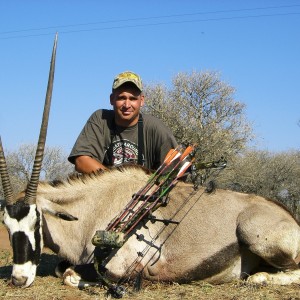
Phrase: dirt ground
(4, 241)
(48, 286)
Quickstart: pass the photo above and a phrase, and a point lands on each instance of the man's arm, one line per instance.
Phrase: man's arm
(87, 164)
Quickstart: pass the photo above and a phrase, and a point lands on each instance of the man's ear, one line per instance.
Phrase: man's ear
(142, 99)
(111, 99)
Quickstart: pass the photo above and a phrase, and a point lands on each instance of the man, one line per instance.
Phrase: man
(122, 135)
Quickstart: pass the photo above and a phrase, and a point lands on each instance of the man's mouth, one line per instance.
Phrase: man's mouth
(126, 112)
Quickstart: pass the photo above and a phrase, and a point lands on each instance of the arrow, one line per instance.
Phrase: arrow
(183, 168)
(172, 155)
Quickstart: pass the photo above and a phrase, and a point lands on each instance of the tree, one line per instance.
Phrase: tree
(20, 162)
(272, 175)
(200, 108)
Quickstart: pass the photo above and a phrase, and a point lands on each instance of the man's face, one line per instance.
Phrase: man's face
(127, 101)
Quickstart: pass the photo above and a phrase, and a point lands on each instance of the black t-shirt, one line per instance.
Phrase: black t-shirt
(102, 140)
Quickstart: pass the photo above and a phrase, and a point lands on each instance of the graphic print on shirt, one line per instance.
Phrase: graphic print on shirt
(124, 151)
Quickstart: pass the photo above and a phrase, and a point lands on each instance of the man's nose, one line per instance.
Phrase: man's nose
(127, 103)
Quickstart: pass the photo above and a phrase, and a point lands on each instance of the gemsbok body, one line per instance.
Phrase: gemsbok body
(220, 237)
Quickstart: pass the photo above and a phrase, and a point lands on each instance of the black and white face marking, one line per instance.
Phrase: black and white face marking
(23, 222)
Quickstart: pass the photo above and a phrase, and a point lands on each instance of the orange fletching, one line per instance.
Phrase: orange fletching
(186, 152)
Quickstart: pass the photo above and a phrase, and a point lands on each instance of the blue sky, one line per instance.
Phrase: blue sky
(254, 45)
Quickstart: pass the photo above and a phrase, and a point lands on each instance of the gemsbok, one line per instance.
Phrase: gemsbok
(217, 237)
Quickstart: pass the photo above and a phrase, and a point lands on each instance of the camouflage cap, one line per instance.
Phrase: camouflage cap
(128, 76)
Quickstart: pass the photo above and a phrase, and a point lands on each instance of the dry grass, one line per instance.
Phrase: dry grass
(47, 286)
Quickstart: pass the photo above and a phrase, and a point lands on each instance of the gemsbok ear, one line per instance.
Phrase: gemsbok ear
(56, 210)
(66, 216)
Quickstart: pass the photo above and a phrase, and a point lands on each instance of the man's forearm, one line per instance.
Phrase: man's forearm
(86, 164)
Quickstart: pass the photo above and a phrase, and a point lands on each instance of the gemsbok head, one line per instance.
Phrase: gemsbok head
(21, 215)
